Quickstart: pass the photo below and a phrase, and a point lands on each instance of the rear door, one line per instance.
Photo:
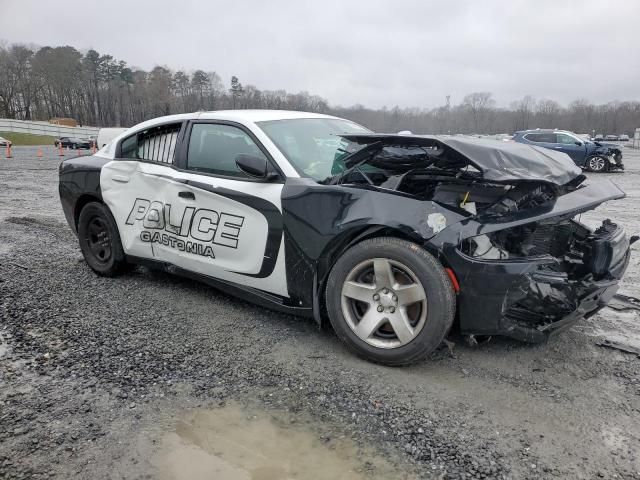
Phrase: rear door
(542, 139)
(134, 187)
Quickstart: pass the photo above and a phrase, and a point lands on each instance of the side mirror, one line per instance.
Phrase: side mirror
(254, 166)
(578, 143)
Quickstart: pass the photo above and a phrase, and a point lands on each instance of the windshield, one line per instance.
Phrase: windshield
(313, 145)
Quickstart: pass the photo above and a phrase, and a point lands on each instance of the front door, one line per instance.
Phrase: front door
(572, 146)
(238, 217)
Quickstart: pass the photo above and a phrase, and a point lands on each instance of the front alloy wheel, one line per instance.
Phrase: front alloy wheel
(384, 303)
(390, 300)
(596, 164)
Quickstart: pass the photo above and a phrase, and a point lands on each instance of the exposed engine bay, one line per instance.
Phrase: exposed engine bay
(443, 175)
(432, 173)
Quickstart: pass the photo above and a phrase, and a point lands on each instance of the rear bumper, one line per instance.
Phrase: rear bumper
(530, 299)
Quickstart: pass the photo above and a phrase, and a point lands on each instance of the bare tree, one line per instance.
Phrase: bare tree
(548, 113)
(98, 89)
(523, 110)
(479, 105)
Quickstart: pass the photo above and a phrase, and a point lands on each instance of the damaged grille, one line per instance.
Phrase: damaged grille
(549, 239)
(558, 240)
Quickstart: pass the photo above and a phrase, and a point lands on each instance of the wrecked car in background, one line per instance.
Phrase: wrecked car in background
(389, 236)
(592, 156)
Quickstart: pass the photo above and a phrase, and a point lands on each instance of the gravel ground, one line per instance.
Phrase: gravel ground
(95, 371)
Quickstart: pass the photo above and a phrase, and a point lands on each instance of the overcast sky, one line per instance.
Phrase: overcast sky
(373, 52)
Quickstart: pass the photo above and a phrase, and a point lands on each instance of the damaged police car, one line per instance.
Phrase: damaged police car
(390, 237)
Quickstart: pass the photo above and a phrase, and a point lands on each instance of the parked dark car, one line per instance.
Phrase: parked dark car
(592, 156)
(384, 236)
(72, 142)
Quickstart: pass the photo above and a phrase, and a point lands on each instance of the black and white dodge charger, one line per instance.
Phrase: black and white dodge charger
(390, 237)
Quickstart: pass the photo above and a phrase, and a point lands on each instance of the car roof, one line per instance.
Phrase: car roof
(233, 116)
(258, 115)
(546, 130)
(240, 116)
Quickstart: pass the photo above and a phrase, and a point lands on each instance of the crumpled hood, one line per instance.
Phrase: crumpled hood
(609, 145)
(498, 161)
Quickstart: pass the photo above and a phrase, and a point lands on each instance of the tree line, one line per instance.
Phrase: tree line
(97, 89)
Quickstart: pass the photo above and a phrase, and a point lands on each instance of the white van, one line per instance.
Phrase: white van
(105, 135)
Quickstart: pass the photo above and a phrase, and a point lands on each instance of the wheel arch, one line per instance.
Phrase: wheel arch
(341, 244)
(82, 201)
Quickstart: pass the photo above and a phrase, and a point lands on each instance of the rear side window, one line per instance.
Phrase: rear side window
(157, 144)
(213, 149)
(541, 137)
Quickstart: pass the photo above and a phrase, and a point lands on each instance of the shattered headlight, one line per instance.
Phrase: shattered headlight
(608, 249)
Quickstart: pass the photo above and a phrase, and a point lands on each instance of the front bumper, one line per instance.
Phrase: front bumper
(530, 299)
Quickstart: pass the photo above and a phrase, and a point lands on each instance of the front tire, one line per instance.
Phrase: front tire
(100, 241)
(390, 301)
(597, 164)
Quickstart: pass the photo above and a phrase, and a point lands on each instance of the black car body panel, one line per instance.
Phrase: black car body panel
(540, 272)
(79, 184)
(322, 221)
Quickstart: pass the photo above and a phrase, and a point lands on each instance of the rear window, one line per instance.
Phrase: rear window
(155, 144)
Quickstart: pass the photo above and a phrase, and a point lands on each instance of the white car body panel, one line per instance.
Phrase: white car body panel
(143, 197)
(126, 185)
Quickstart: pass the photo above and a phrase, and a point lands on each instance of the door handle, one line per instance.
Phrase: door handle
(188, 195)
(120, 178)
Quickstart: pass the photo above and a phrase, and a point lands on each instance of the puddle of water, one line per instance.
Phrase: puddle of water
(230, 443)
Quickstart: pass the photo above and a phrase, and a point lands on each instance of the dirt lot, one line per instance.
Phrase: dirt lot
(132, 377)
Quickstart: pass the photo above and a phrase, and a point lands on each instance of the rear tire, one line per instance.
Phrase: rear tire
(597, 164)
(390, 301)
(100, 241)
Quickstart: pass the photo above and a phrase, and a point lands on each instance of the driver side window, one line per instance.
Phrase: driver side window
(566, 139)
(213, 148)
